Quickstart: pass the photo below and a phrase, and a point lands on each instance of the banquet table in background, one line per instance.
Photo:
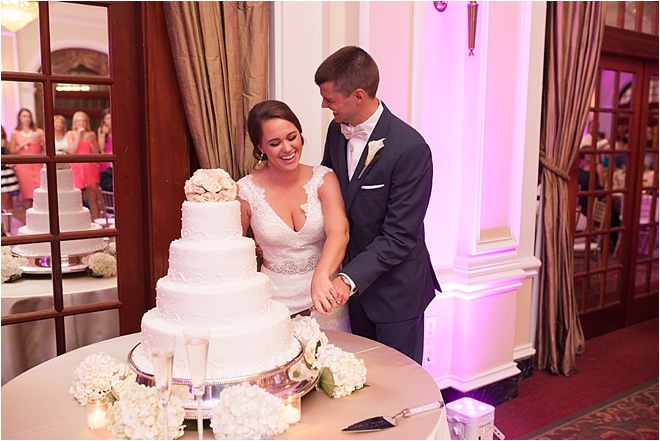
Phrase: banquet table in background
(26, 345)
(38, 405)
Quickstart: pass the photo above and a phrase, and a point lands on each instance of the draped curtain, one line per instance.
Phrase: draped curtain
(221, 57)
(573, 41)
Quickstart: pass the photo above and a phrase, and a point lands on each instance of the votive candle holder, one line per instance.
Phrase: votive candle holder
(292, 409)
(96, 412)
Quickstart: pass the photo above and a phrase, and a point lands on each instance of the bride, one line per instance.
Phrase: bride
(297, 217)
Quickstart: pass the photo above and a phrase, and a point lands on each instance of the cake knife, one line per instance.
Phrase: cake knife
(384, 422)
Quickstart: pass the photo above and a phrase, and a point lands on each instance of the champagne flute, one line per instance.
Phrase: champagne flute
(197, 348)
(162, 359)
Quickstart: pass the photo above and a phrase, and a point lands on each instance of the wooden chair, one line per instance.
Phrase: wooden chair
(106, 207)
(594, 245)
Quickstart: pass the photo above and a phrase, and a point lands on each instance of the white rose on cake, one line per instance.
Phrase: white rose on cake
(210, 185)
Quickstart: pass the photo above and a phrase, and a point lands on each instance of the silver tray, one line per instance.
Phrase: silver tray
(42, 265)
(275, 381)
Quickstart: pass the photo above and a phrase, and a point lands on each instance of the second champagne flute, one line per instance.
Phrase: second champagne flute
(197, 348)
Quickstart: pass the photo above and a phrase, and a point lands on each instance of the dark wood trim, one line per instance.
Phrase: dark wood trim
(168, 156)
(129, 145)
(630, 44)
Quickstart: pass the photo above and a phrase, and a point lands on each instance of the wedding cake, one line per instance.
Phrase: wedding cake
(212, 282)
(72, 216)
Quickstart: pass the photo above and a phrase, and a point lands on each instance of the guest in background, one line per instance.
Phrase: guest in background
(387, 266)
(27, 139)
(10, 187)
(106, 179)
(105, 137)
(82, 141)
(60, 129)
(297, 216)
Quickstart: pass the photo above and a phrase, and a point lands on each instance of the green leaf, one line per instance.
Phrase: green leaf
(327, 381)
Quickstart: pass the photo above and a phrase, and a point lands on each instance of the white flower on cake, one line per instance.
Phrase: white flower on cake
(96, 376)
(101, 265)
(11, 266)
(210, 185)
(137, 413)
(341, 372)
(247, 412)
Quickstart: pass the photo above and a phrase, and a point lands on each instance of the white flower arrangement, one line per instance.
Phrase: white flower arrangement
(96, 376)
(247, 412)
(210, 185)
(308, 331)
(111, 249)
(101, 265)
(11, 265)
(341, 372)
(137, 413)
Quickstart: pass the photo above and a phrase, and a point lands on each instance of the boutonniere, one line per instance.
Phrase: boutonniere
(374, 147)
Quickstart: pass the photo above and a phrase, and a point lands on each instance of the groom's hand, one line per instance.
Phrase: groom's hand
(340, 290)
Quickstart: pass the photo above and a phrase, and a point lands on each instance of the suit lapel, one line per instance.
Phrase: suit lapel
(380, 131)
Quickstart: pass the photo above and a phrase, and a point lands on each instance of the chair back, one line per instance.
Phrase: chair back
(106, 207)
(598, 220)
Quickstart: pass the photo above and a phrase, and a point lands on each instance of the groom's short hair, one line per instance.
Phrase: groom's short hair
(350, 68)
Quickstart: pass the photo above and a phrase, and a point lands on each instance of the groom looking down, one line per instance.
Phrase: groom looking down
(385, 173)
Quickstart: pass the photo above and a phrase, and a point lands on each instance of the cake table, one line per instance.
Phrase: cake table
(38, 405)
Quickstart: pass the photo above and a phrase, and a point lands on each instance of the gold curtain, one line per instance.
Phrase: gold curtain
(573, 41)
(221, 56)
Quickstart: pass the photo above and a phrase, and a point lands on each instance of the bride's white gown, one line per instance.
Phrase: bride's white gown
(290, 257)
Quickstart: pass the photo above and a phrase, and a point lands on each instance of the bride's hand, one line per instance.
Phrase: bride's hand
(322, 296)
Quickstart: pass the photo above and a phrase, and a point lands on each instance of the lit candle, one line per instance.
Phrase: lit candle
(291, 414)
(96, 410)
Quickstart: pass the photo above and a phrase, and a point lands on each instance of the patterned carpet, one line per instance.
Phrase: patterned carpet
(630, 415)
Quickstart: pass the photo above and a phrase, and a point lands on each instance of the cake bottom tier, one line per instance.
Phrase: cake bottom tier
(243, 347)
(67, 247)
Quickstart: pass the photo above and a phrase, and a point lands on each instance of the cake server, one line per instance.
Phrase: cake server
(384, 422)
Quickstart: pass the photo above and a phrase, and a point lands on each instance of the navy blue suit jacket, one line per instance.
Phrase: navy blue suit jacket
(386, 255)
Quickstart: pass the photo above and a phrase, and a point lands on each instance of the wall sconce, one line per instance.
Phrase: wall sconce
(440, 6)
(472, 21)
(472, 25)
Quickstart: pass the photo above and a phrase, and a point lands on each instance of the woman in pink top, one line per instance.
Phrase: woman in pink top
(27, 139)
(105, 137)
(82, 141)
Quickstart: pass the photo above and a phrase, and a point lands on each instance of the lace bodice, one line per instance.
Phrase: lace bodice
(286, 251)
(290, 257)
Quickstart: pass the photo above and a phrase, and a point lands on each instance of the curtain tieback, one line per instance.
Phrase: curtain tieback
(553, 168)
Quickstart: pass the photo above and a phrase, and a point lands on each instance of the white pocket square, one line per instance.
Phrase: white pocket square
(372, 187)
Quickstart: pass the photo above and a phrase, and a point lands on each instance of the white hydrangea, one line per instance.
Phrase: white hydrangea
(138, 415)
(11, 266)
(96, 376)
(210, 185)
(101, 264)
(111, 249)
(247, 412)
(308, 331)
(349, 372)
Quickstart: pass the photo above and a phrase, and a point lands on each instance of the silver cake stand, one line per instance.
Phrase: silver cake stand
(70, 263)
(276, 381)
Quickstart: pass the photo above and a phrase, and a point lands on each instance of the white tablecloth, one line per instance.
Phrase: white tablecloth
(26, 345)
(38, 405)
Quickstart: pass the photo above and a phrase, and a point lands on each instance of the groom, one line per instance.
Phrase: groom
(385, 172)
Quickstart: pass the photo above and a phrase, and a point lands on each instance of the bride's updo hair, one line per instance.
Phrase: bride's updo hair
(264, 111)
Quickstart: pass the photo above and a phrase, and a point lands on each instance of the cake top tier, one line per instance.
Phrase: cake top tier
(210, 185)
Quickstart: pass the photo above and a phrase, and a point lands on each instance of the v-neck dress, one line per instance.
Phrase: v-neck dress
(290, 256)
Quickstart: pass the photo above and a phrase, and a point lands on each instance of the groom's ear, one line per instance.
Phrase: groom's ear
(360, 95)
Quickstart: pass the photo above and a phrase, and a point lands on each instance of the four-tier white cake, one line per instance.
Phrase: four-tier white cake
(212, 282)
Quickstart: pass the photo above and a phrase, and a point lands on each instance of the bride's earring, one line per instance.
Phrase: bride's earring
(261, 159)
